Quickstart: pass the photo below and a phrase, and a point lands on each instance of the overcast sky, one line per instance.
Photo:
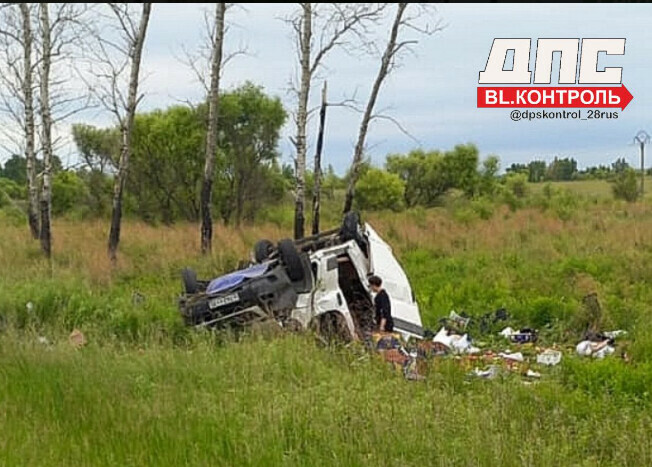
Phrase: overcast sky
(433, 94)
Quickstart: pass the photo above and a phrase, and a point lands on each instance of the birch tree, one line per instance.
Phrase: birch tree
(304, 34)
(318, 29)
(33, 42)
(115, 60)
(408, 18)
(59, 33)
(46, 130)
(17, 95)
(211, 133)
(28, 103)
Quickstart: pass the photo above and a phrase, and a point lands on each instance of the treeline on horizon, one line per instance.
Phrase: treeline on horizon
(166, 169)
(565, 169)
(218, 159)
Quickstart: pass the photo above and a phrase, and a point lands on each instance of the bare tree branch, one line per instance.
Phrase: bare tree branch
(111, 71)
(211, 133)
(318, 29)
(397, 124)
(408, 17)
(198, 61)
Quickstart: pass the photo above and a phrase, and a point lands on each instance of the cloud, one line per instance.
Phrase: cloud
(432, 94)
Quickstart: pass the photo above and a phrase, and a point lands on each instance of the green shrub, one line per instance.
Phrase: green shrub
(11, 215)
(483, 207)
(508, 198)
(546, 311)
(11, 189)
(464, 214)
(378, 189)
(279, 215)
(625, 186)
(564, 204)
(4, 199)
(517, 185)
(68, 191)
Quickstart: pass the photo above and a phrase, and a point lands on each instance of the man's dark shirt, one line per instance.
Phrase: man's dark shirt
(384, 310)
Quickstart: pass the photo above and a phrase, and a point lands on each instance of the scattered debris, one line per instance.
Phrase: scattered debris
(442, 337)
(456, 343)
(137, 298)
(525, 336)
(459, 320)
(515, 357)
(533, 374)
(43, 340)
(428, 348)
(492, 372)
(615, 334)
(411, 370)
(549, 357)
(391, 348)
(507, 332)
(587, 348)
(385, 341)
(522, 336)
(521, 358)
(77, 339)
(598, 344)
(488, 321)
(395, 356)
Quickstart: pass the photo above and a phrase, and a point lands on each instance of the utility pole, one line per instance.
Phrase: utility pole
(642, 138)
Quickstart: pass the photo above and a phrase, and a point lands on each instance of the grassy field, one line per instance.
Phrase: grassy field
(597, 189)
(148, 391)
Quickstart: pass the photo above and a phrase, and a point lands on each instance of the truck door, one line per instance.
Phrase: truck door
(327, 296)
(384, 264)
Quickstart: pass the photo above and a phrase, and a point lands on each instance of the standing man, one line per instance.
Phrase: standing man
(382, 304)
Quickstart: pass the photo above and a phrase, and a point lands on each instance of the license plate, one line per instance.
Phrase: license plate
(223, 301)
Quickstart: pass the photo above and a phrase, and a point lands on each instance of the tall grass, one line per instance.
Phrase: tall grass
(287, 402)
(146, 390)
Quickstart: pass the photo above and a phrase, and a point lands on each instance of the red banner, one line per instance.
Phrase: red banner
(554, 96)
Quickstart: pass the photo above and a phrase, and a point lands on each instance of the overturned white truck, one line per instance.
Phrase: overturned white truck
(318, 282)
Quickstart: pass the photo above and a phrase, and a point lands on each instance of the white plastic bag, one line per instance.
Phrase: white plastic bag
(549, 357)
(516, 357)
(442, 337)
(507, 332)
(614, 334)
(608, 350)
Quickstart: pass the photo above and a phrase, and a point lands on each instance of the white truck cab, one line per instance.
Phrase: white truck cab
(341, 291)
(318, 282)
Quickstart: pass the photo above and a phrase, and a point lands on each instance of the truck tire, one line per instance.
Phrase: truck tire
(350, 226)
(190, 284)
(330, 328)
(262, 250)
(291, 259)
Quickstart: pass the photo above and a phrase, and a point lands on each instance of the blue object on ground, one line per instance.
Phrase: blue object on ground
(232, 279)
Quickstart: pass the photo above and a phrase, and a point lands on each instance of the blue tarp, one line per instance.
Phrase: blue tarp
(232, 279)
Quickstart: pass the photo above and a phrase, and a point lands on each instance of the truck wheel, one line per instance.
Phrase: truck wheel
(190, 284)
(262, 250)
(293, 325)
(350, 226)
(291, 259)
(330, 328)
